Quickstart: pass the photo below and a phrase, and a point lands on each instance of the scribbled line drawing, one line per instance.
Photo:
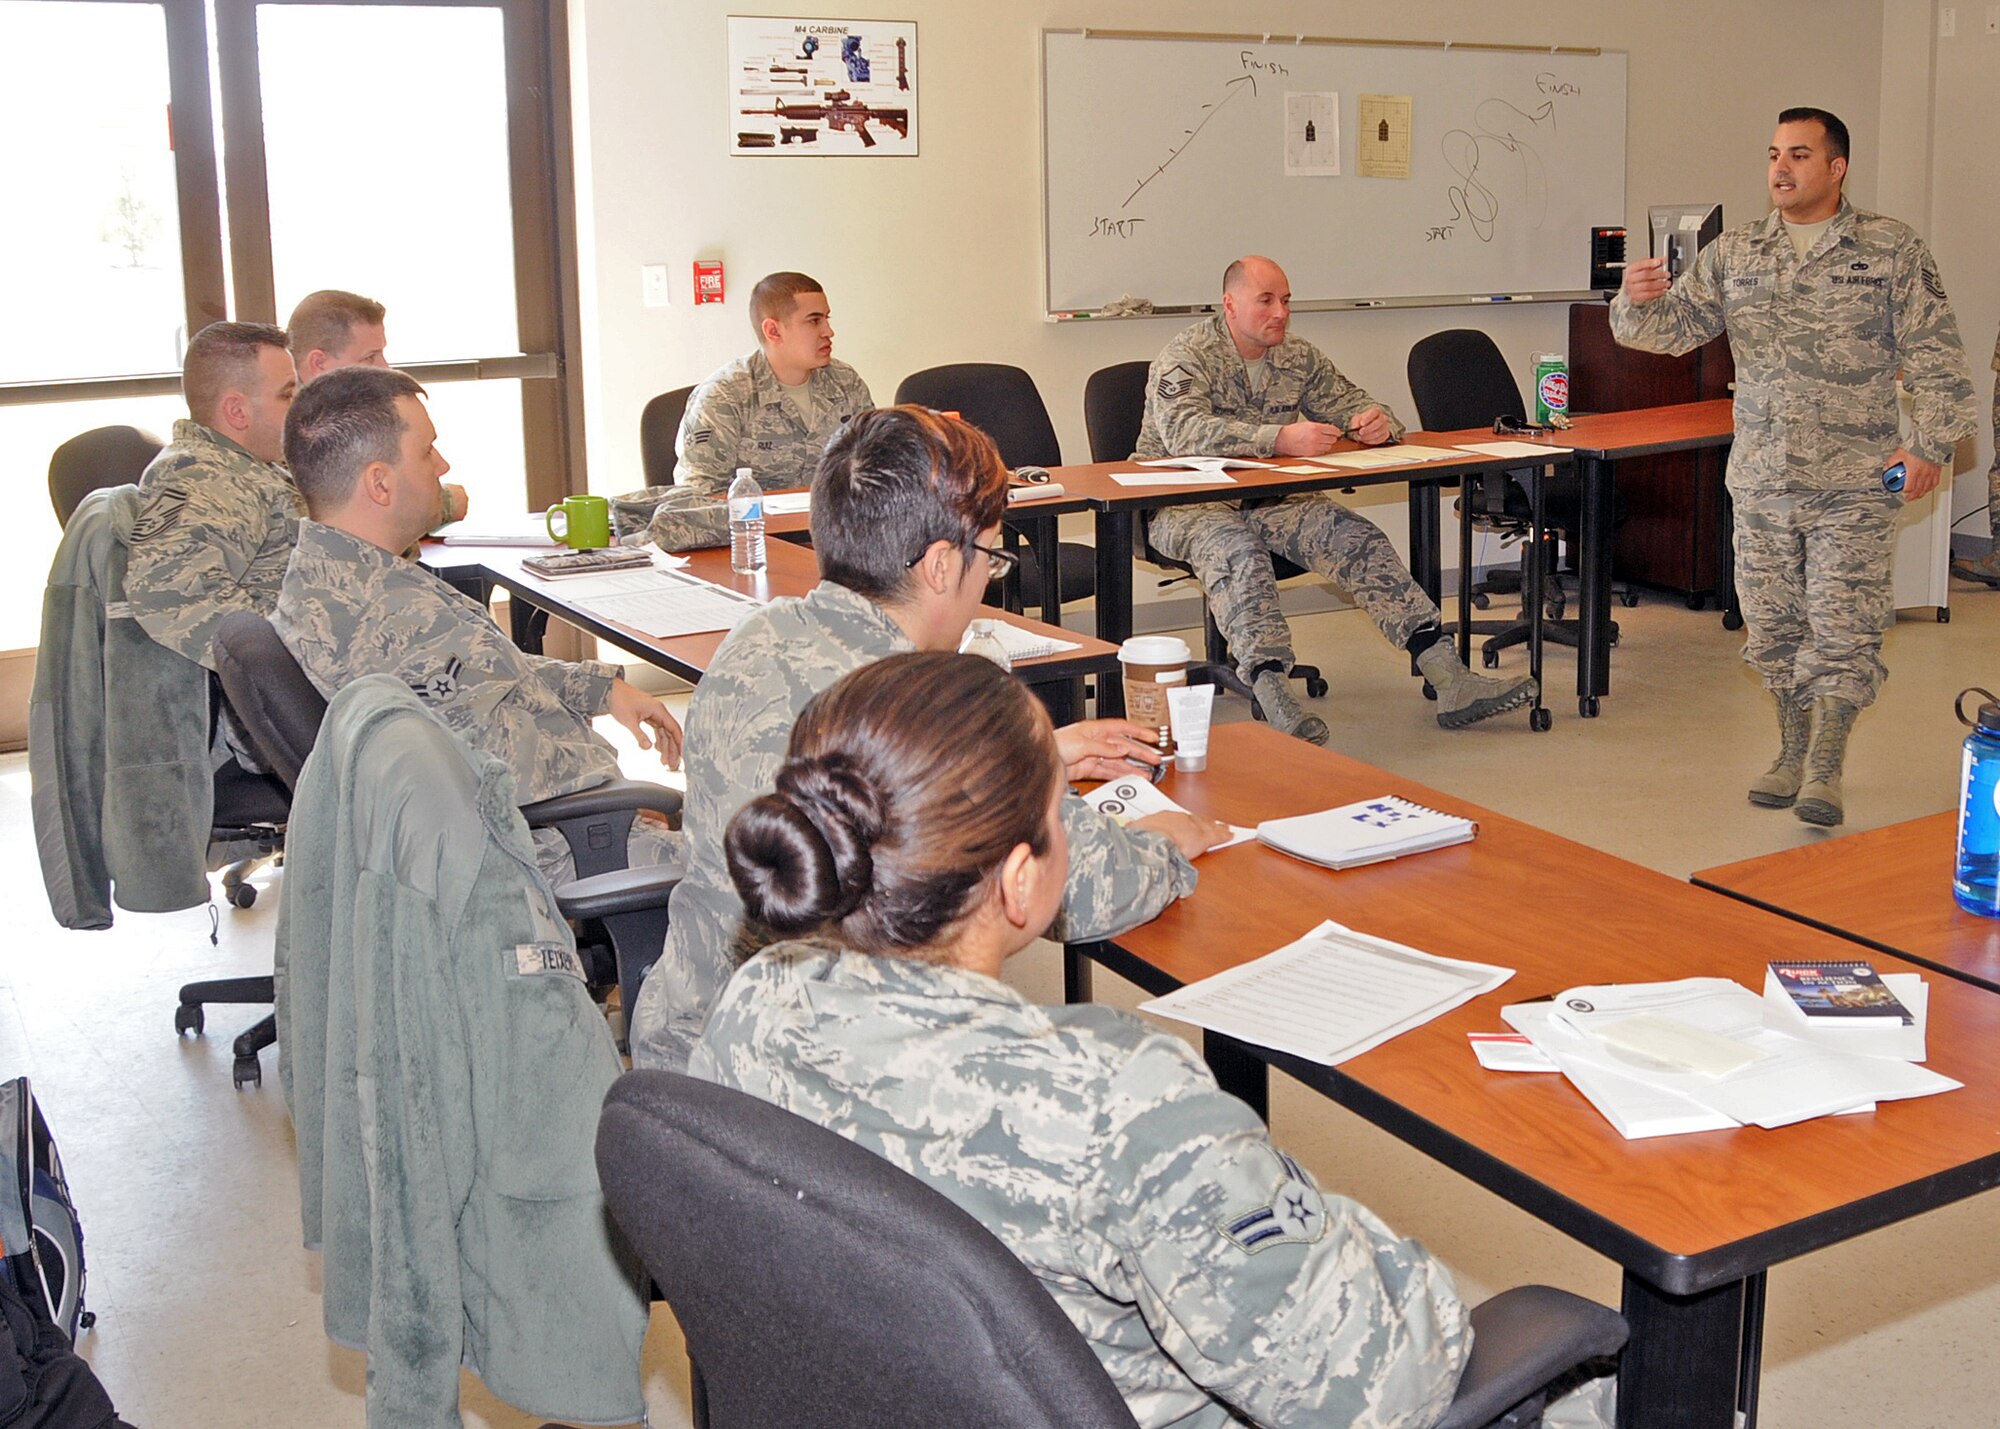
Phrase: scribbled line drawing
(1234, 87)
(1500, 129)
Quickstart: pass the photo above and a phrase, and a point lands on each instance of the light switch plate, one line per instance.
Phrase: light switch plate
(653, 284)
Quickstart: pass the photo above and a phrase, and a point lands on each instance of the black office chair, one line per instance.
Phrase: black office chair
(753, 1221)
(1114, 411)
(100, 457)
(279, 711)
(1004, 403)
(659, 424)
(1460, 379)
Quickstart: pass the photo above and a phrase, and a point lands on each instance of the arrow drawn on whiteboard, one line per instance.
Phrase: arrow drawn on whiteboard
(1179, 149)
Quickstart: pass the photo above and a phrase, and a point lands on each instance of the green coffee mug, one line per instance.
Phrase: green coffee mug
(586, 523)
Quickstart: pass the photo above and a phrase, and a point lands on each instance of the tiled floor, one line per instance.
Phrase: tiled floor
(210, 1310)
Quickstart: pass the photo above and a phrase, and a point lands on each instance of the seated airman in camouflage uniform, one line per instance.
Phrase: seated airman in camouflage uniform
(218, 513)
(364, 451)
(773, 410)
(1212, 1277)
(332, 329)
(1824, 305)
(1238, 385)
(905, 521)
(1987, 567)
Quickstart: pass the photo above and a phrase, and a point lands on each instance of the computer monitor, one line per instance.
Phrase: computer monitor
(1681, 230)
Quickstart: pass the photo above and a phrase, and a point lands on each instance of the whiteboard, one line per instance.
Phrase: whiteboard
(1165, 158)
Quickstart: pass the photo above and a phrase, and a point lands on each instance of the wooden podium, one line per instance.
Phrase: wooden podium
(1673, 527)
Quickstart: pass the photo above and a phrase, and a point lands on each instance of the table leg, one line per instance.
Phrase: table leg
(528, 623)
(1679, 1369)
(1239, 1071)
(1465, 572)
(1426, 505)
(1593, 655)
(1114, 600)
(1076, 972)
(1062, 698)
(1046, 541)
(1533, 597)
(1751, 1359)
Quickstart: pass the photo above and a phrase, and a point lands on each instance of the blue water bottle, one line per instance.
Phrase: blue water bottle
(1975, 880)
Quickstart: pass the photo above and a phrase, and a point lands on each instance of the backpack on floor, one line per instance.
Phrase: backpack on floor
(41, 1242)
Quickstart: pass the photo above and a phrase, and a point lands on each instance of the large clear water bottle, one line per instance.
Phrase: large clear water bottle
(1975, 879)
(746, 523)
(982, 639)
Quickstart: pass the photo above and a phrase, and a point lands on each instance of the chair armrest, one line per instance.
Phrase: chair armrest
(1523, 1338)
(610, 797)
(623, 890)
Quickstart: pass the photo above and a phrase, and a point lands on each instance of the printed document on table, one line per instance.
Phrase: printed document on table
(1635, 1107)
(1794, 1081)
(1532, 451)
(1123, 800)
(525, 529)
(787, 503)
(1398, 455)
(1206, 463)
(1204, 477)
(662, 603)
(1331, 995)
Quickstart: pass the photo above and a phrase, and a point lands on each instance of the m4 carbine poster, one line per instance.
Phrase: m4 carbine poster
(822, 86)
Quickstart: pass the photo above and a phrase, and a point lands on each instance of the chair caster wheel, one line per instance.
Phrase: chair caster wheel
(1539, 719)
(1482, 601)
(1587, 706)
(1697, 602)
(1731, 620)
(188, 1018)
(1629, 599)
(1944, 615)
(246, 1073)
(243, 895)
(1489, 657)
(1316, 689)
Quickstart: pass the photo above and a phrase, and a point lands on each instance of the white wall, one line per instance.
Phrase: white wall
(938, 258)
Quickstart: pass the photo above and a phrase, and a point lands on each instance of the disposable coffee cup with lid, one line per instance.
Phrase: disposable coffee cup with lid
(1152, 664)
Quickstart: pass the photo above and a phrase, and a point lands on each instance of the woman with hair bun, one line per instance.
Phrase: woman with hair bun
(906, 510)
(913, 842)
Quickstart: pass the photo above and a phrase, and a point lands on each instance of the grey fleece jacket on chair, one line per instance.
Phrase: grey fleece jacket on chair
(118, 745)
(445, 1066)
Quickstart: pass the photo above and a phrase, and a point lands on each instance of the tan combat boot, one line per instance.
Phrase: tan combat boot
(1465, 698)
(1282, 708)
(1778, 786)
(1819, 796)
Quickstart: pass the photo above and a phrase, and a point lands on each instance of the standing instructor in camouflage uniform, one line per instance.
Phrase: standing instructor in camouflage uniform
(1824, 305)
(1239, 385)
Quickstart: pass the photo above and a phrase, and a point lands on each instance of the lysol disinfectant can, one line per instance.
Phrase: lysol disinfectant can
(1551, 387)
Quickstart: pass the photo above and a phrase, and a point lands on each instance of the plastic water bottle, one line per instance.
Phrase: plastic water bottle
(982, 639)
(1975, 879)
(746, 523)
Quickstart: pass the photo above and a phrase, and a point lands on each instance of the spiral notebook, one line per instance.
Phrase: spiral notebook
(1367, 832)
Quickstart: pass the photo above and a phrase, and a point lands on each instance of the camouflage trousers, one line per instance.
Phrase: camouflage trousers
(1815, 578)
(1230, 552)
(1993, 472)
(650, 844)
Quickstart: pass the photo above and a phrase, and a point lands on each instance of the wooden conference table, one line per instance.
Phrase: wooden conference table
(1695, 1221)
(791, 570)
(1887, 889)
(1118, 510)
(1598, 442)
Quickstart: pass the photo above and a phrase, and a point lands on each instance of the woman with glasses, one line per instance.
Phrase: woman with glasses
(1215, 1281)
(906, 511)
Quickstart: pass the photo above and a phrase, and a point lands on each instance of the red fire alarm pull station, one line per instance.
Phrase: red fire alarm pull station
(707, 281)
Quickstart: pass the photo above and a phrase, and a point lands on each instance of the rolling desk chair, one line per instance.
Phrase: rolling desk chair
(659, 425)
(752, 1221)
(102, 456)
(280, 710)
(1114, 410)
(1004, 403)
(1460, 379)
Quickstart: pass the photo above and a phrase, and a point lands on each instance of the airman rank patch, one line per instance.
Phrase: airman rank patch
(700, 438)
(162, 514)
(1933, 284)
(442, 685)
(1295, 1215)
(1174, 382)
(546, 959)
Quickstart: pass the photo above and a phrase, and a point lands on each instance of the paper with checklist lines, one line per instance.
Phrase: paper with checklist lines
(1331, 995)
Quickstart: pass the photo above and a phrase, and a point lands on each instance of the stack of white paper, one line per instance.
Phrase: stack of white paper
(1649, 1057)
(1024, 644)
(525, 529)
(1398, 455)
(661, 603)
(1332, 995)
